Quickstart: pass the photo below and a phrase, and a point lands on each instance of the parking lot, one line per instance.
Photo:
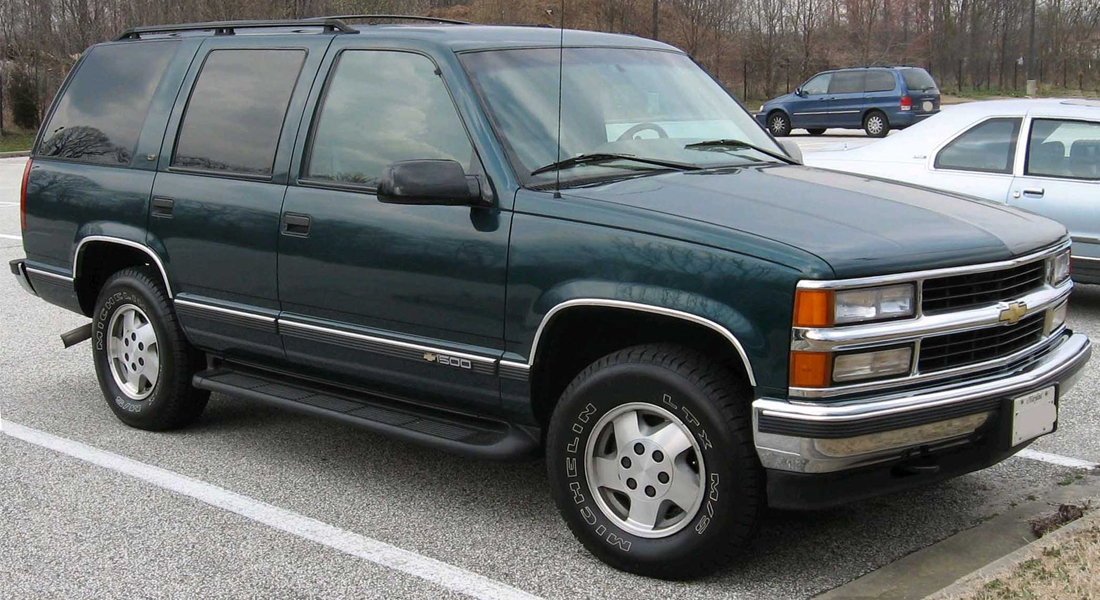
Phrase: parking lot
(256, 502)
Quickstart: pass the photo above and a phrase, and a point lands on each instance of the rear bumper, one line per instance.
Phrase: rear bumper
(19, 269)
(833, 445)
(905, 118)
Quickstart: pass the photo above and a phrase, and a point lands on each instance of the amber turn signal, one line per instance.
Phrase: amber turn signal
(811, 369)
(813, 308)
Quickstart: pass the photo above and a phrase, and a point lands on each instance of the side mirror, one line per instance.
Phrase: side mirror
(801, 93)
(791, 149)
(429, 182)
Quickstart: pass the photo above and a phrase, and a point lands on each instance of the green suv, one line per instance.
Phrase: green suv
(379, 226)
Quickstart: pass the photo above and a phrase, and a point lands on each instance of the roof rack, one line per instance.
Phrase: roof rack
(398, 18)
(329, 25)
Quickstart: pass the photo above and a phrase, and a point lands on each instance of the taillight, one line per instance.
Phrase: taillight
(906, 103)
(23, 196)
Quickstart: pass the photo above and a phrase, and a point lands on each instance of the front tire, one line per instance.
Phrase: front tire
(779, 124)
(652, 464)
(876, 124)
(142, 359)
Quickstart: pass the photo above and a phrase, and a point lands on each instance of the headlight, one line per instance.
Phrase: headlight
(872, 365)
(824, 308)
(1058, 268)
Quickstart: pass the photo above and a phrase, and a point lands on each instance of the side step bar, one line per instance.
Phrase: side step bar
(460, 434)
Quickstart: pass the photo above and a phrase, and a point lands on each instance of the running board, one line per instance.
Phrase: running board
(460, 434)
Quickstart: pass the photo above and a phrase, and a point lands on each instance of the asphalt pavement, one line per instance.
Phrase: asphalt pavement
(183, 516)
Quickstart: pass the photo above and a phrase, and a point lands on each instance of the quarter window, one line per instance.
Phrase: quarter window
(236, 111)
(383, 107)
(1060, 148)
(879, 81)
(988, 147)
(101, 114)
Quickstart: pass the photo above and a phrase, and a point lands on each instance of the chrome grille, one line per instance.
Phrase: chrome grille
(974, 289)
(942, 352)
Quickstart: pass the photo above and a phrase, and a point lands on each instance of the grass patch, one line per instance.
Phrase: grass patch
(16, 141)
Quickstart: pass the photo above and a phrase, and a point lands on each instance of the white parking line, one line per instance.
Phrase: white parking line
(11, 237)
(380, 553)
(1056, 459)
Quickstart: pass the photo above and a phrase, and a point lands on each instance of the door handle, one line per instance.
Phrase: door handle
(1036, 192)
(296, 224)
(162, 207)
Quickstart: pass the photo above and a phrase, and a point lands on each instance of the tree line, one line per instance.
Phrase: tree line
(758, 48)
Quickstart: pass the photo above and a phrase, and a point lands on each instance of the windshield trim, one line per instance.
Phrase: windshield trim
(536, 182)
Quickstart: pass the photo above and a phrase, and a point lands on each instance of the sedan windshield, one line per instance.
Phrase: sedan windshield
(636, 111)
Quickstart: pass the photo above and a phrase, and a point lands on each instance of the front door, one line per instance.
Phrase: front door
(400, 299)
(812, 108)
(1061, 180)
(217, 196)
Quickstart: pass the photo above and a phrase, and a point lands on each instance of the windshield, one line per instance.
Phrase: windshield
(648, 104)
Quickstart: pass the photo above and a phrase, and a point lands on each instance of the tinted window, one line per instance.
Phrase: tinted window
(818, 85)
(235, 114)
(1069, 149)
(101, 114)
(918, 80)
(989, 146)
(384, 107)
(879, 81)
(847, 82)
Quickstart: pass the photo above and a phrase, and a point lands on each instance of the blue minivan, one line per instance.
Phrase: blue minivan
(875, 99)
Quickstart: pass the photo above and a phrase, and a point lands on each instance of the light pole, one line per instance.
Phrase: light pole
(1032, 85)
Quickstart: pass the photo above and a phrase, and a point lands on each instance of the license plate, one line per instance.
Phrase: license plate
(927, 106)
(1033, 415)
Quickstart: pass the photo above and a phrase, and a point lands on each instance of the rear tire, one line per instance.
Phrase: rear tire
(779, 124)
(142, 359)
(876, 124)
(680, 494)
(816, 131)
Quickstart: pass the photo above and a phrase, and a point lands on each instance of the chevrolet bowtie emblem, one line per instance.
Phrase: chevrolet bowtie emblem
(1013, 312)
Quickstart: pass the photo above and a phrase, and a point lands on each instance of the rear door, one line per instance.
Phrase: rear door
(881, 91)
(812, 108)
(846, 103)
(1061, 179)
(223, 172)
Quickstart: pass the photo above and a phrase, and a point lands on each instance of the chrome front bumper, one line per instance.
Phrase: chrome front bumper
(823, 437)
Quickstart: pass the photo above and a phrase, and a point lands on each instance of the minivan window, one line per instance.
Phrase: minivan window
(818, 85)
(383, 107)
(235, 114)
(918, 80)
(988, 147)
(846, 82)
(1064, 148)
(879, 81)
(102, 111)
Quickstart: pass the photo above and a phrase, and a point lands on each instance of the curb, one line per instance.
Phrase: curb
(16, 154)
(1008, 563)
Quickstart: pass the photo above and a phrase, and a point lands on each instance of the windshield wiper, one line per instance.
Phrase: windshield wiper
(599, 157)
(732, 143)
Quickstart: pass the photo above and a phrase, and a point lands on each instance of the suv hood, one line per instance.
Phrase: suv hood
(859, 225)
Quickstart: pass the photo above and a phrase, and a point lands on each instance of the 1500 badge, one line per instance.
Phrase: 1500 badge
(450, 361)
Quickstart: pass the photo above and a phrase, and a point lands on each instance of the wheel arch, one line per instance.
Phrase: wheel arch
(568, 325)
(109, 254)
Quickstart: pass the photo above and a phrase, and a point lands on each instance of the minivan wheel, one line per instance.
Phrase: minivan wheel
(876, 124)
(816, 131)
(142, 359)
(778, 124)
(652, 464)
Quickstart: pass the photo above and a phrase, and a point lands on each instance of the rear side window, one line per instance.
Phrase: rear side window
(1060, 148)
(918, 80)
(879, 81)
(102, 112)
(847, 82)
(235, 115)
(989, 147)
(382, 107)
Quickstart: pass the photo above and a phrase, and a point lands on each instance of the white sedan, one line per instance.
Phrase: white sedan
(1040, 155)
